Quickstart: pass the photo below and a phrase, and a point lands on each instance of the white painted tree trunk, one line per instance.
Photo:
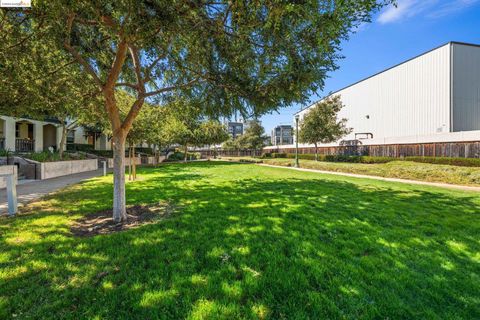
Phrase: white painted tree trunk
(134, 165)
(119, 200)
(63, 140)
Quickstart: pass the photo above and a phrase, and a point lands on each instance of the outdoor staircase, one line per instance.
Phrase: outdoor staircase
(21, 176)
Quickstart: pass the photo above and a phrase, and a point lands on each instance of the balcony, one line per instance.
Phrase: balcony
(24, 145)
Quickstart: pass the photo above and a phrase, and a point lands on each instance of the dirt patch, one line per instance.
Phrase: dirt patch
(102, 223)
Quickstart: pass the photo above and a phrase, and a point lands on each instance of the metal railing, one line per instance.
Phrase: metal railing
(24, 145)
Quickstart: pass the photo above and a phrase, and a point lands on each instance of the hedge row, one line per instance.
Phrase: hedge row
(104, 153)
(332, 158)
(465, 162)
(178, 156)
(79, 147)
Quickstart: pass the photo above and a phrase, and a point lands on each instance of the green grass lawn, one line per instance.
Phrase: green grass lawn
(248, 242)
(469, 176)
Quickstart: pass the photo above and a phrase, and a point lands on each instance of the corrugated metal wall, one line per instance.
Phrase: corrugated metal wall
(412, 98)
(466, 87)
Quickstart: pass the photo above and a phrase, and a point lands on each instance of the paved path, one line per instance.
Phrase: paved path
(35, 189)
(425, 183)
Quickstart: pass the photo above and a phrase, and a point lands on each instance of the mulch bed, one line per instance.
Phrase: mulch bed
(102, 223)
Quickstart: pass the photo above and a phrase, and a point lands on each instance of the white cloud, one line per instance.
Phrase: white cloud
(451, 7)
(429, 8)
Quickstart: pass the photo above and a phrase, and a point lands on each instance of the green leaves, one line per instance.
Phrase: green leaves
(253, 137)
(321, 124)
(251, 57)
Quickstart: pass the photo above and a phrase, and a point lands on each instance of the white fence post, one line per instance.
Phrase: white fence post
(104, 168)
(11, 194)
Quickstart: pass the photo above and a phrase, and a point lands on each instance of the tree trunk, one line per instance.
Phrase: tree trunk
(129, 163)
(134, 164)
(186, 153)
(119, 200)
(63, 140)
(316, 152)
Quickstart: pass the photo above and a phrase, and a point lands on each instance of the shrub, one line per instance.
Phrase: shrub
(5, 153)
(147, 151)
(334, 158)
(463, 162)
(178, 156)
(47, 156)
(80, 147)
(103, 153)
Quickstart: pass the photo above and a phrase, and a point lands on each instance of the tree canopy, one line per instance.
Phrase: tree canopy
(253, 137)
(212, 132)
(321, 124)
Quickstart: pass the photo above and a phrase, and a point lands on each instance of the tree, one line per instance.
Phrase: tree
(212, 132)
(182, 124)
(321, 124)
(252, 57)
(230, 144)
(40, 89)
(253, 137)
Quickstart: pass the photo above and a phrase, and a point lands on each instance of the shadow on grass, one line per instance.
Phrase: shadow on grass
(249, 242)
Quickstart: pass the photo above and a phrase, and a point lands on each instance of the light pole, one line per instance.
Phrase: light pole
(296, 141)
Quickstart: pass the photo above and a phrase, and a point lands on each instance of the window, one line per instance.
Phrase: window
(71, 136)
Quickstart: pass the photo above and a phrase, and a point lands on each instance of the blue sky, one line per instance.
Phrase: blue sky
(395, 35)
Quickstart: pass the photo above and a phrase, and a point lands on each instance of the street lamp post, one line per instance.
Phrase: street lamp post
(296, 141)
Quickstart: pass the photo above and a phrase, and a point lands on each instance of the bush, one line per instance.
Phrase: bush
(80, 147)
(333, 158)
(5, 153)
(47, 156)
(147, 151)
(103, 153)
(463, 162)
(179, 156)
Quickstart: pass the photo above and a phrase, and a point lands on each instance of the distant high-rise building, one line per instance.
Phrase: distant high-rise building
(282, 135)
(235, 129)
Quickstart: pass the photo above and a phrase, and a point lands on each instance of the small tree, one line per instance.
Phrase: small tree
(253, 138)
(230, 144)
(321, 124)
(212, 132)
(182, 124)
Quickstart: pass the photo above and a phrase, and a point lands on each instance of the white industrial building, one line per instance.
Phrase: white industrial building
(434, 97)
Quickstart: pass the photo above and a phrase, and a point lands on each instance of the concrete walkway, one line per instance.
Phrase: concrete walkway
(35, 189)
(424, 183)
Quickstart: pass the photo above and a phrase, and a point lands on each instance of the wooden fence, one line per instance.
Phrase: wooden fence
(441, 149)
(230, 153)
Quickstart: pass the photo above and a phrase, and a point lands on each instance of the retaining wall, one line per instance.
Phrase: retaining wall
(47, 170)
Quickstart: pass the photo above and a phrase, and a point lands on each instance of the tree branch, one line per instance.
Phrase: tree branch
(132, 114)
(137, 67)
(117, 65)
(170, 88)
(77, 55)
(127, 84)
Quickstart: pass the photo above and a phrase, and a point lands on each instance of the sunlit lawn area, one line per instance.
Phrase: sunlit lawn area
(469, 176)
(248, 242)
